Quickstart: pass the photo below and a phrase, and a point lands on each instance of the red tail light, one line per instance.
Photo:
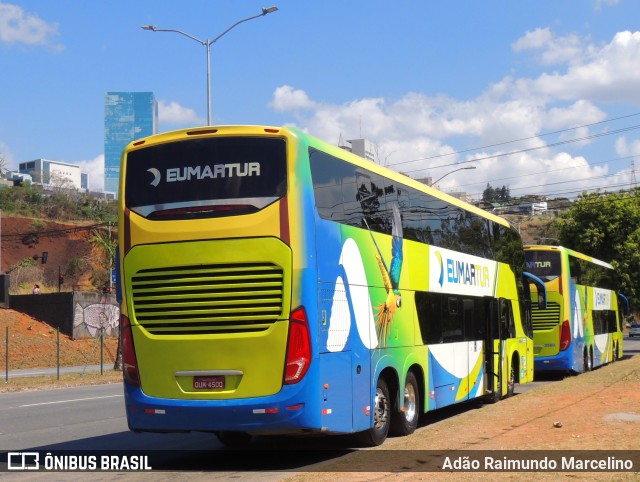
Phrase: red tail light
(565, 336)
(129, 360)
(298, 347)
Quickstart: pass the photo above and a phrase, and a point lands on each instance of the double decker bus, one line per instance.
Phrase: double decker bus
(273, 283)
(580, 328)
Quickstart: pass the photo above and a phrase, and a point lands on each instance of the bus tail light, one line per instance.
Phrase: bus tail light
(298, 347)
(565, 336)
(129, 360)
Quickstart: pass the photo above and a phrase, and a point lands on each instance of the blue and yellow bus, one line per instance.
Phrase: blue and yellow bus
(581, 325)
(273, 283)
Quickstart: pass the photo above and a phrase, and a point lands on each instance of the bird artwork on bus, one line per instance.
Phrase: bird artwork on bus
(391, 279)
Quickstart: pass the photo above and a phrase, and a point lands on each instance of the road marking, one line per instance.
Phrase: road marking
(67, 401)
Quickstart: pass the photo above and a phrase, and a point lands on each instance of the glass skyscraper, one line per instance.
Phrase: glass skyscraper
(127, 116)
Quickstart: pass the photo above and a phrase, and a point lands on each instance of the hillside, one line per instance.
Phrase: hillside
(33, 344)
(65, 244)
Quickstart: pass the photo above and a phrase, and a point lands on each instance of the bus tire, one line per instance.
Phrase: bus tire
(377, 434)
(614, 353)
(586, 361)
(511, 382)
(405, 420)
(234, 439)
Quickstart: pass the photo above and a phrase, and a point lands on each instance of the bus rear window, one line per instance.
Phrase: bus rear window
(543, 264)
(205, 177)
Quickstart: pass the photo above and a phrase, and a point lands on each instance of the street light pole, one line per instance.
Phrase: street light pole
(451, 172)
(207, 43)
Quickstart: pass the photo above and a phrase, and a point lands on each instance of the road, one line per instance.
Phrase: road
(92, 418)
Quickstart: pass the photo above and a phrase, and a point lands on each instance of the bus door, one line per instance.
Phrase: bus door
(493, 349)
(501, 326)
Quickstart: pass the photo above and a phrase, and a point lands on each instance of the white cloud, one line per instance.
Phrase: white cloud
(625, 148)
(95, 168)
(418, 135)
(173, 113)
(286, 98)
(606, 73)
(537, 39)
(16, 26)
(553, 49)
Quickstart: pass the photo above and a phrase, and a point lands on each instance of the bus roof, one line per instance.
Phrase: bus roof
(576, 254)
(190, 133)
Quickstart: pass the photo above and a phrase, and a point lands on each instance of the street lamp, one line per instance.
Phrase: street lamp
(207, 43)
(451, 172)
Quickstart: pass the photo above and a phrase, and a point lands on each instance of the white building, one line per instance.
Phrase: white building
(55, 174)
(363, 148)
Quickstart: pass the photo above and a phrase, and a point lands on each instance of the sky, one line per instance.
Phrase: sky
(541, 96)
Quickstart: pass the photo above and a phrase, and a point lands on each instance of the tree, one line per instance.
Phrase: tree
(500, 194)
(607, 226)
(106, 241)
(503, 194)
(489, 194)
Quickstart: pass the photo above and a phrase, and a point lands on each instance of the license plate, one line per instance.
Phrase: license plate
(209, 383)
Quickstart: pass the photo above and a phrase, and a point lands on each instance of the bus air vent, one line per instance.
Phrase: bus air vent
(545, 319)
(208, 299)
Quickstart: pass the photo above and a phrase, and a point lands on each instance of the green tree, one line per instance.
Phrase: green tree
(607, 226)
(489, 194)
(75, 268)
(105, 240)
(499, 194)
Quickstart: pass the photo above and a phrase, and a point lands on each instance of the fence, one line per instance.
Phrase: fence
(82, 355)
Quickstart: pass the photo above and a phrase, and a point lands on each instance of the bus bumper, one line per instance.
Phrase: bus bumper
(560, 362)
(283, 412)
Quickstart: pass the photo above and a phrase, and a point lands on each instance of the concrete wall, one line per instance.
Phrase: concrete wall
(92, 311)
(78, 314)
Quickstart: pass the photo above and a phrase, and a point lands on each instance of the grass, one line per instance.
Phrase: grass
(66, 380)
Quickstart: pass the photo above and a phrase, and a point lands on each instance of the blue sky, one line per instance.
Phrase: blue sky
(539, 95)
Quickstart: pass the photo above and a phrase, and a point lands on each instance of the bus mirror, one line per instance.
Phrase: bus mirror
(626, 306)
(540, 287)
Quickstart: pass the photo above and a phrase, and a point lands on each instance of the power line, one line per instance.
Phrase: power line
(549, 171)
(516, 140)
(559, 143)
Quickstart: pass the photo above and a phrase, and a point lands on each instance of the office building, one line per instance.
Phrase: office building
(363, 148)
(54, 174)
(127, 116)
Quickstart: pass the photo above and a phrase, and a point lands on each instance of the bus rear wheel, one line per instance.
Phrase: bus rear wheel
(377, 434)
(511, 382)
(405, 420)
(586, 361)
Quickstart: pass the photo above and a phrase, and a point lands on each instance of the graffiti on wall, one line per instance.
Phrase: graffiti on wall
(95, 316)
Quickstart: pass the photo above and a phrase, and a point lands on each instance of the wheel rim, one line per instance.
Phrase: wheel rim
(381, 416)
(511, 383)
(409, 402)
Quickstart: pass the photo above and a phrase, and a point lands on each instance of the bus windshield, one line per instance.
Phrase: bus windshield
(545, 265)
(205, 177)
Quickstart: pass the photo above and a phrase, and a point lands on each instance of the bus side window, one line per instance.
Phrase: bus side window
(429, 310)
(506, 319)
